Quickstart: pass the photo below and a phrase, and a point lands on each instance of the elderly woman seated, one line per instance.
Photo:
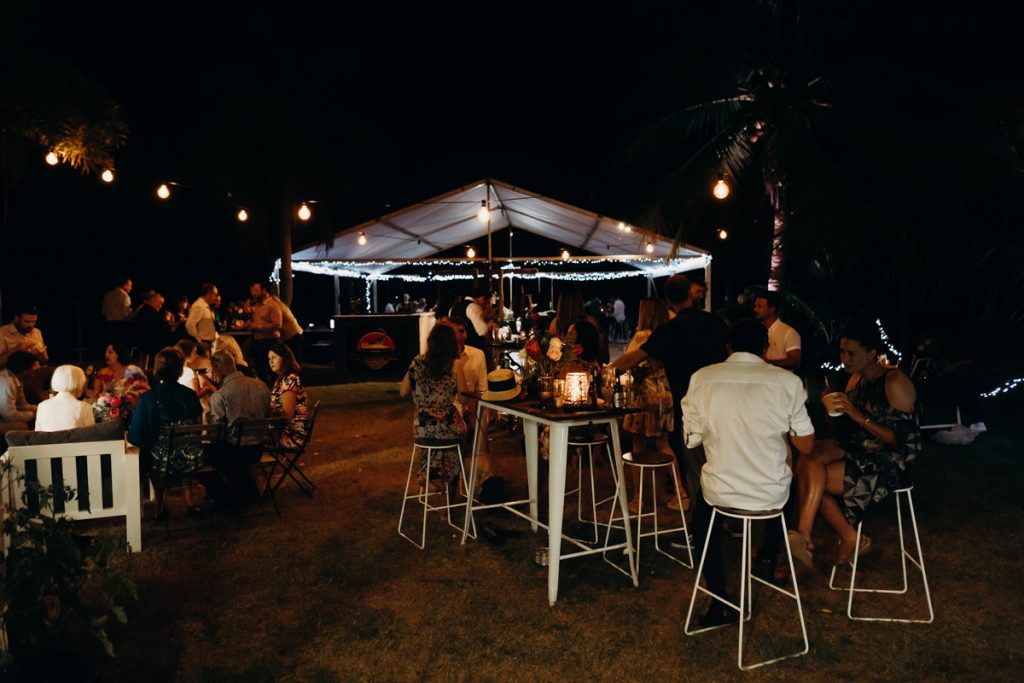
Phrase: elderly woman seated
(65, 410)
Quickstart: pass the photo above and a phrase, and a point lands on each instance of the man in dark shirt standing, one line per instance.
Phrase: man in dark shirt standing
(690, 341)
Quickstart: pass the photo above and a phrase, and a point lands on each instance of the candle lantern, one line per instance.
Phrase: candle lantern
(577, 390)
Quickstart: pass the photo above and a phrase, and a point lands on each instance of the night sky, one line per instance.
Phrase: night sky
(368, 111)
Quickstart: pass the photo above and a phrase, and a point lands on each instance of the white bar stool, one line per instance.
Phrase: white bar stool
(746, 579)
(649, 464)
(423, 493)
(597, 442)
(917, 561)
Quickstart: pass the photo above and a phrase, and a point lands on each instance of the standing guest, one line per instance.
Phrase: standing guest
(14, 407)
(291, 330)
(741, 411)
(570, 310)
(167, 404)
(432, 382)
(471, 308)
(288, 397)
(201, 324)
(878, 439)
(783, 340)
(698, 293)
(22, 335)
(227, 343)
(178, 317)
(116, 310)
(653, 422)
(266, 329)
(151, 328)
(65, 410)
(686, 343)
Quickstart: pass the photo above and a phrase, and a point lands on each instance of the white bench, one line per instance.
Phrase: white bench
(120, 498)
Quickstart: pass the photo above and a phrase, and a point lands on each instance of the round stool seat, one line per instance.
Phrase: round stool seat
(437, 443)
(649, 459)
(596, 440)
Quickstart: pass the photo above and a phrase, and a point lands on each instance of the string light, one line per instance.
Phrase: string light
(304, 213)
(362, 239)
(723, 233)
(721, 189)
(1006, 386)
(565, 254)
(470, 252)
(483, 215)
(107, 176)
(243, 215)
(885, 340)
(163, 192)
(52, 159)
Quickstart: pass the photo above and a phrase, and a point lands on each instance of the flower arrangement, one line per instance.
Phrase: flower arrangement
(123, 396)
(548, 352)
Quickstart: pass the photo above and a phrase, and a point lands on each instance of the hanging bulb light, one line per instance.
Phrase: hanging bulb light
(362, 239)
(304, 213)
(723, 233)
(628, 229)
(622, 226)
(721, 189)
(107, 176)
(243, 215)
(163, 192)
(650, 247)
(470, 252)
(565, 254)
(483, 215)
(52, 159)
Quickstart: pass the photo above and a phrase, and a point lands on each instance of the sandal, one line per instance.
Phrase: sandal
(843, 554)
(801, 548)
(673, 503)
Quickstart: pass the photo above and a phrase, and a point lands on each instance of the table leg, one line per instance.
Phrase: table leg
(556, 504)
(621, 494)
(530, 441)
(471, 479)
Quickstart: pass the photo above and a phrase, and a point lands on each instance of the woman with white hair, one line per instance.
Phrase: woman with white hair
(64, 410)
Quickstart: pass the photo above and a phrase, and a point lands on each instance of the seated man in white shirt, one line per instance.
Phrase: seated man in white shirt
(742, 410)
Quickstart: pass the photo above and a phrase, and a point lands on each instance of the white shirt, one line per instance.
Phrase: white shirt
(741, 411)
(117, 305)
(619, 310)
(12, 340)
(472, 366)
(13, 406)
(63, 411)
(475, 313)
(781, 340)
(289, 325)
(201, 323)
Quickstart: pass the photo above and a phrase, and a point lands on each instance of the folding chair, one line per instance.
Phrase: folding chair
(288, 460)
(178, 438)
(265, 433)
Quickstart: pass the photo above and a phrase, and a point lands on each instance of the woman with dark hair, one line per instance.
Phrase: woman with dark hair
(431, 380)
(877, 439)
(572, 310)
(167, 403)
(288, 397)
(118, 379)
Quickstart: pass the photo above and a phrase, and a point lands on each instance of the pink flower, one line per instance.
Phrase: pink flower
(115, 413)
(115, 401)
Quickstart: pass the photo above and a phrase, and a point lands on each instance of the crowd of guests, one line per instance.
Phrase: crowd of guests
(162, 368)
(723, 399)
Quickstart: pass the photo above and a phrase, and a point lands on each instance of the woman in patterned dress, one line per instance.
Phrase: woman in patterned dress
(878, 438)
(288, 397)
(434, 387)
(653, 397)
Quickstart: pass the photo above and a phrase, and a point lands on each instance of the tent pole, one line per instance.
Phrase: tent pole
(337, 295)
(707, 284)
(374, 308)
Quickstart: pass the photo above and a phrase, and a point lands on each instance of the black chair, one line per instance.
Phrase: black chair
(178, 438)
(288, 460)
(264, 434)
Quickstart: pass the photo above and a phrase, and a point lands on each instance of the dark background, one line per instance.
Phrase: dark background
(369, 108)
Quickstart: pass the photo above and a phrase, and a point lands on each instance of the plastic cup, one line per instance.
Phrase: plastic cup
(831, 403)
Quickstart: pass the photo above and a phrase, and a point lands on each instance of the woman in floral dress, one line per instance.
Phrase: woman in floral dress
(432, 382)
(288, 397)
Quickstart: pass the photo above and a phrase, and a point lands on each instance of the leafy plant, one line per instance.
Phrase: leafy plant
(57, 591)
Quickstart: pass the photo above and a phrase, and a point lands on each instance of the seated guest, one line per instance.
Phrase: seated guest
(239, 397)
(432, 382)
(196, 373)
(151, 329)
(288, 397)
(64, 410)
(22, 335)
(14, 407)
(742, 410)
(118, 375)
(167, 403)
(878, 439)
(227, 343)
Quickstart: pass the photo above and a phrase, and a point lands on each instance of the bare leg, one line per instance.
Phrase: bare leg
(812, 482)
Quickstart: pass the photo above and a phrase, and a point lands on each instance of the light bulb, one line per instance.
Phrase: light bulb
(483, 215)
(107, 176)
(622, 226)
(723, 233)
(628, 229)
(52, 159)
(721, 190)
(362, 238)
(163, 192)
(650, 247)
(471, 253)
(304, 212)
(565, 254)
(243, 215)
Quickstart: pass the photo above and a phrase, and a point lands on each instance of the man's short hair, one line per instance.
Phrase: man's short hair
(207, 288)
(20, 361)
(223, 360)
(69, 378)
(772, 298)
(458, 320)
(168, 364)
(479, 291)
(677, 289)
(26, 309)
(865, 333)
(748, 336)
(150, 295)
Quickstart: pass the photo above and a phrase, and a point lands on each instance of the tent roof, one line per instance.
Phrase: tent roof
(449, 220)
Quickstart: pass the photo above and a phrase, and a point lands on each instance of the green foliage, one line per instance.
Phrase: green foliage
(57, 592)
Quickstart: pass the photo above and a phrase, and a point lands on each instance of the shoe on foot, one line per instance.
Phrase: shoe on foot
(801, 548)
(843, 552)
(718, 615)
(673, 503)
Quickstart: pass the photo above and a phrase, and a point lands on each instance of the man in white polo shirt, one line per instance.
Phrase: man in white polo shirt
(783, 340)
(741, 411)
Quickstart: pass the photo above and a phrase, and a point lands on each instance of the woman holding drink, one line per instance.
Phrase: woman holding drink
(877, 439)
